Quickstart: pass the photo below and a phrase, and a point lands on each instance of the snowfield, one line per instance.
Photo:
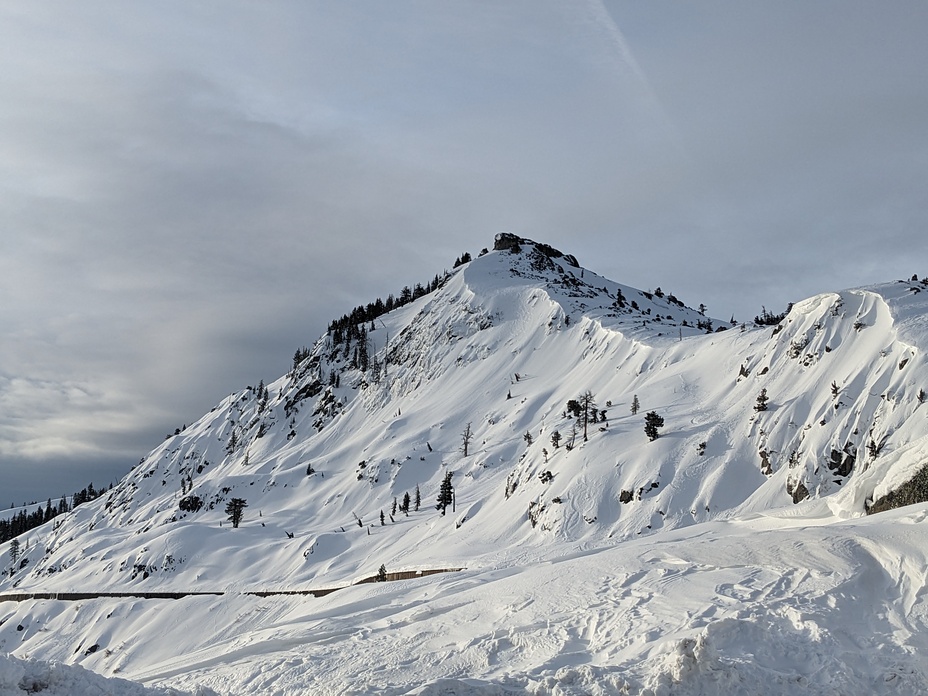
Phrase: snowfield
(33, 677)
(732, 554)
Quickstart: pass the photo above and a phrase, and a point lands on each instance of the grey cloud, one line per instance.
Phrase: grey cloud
(189, 191)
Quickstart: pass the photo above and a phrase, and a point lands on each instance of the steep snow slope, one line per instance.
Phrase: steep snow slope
(501, 347)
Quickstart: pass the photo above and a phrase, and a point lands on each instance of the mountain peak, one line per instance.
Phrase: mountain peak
(563, 409)
(506, 241)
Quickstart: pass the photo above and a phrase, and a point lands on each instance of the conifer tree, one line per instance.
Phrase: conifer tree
(652, 422)
(636, 405)
(588, 410)
(235, 509)
(418, 498)
(445, 493)
(762, 400)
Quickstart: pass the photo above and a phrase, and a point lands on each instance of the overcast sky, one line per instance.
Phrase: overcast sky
(189, 191)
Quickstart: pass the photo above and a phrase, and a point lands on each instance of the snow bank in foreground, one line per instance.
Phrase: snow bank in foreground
(19, 677)
(727, 657)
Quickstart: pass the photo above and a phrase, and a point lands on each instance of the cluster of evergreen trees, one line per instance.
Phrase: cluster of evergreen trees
(349, 326)
(22, 521)
(766, 318)
(353, 327)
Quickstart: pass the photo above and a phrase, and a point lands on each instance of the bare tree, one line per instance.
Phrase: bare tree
(466, 437)
(587, 410)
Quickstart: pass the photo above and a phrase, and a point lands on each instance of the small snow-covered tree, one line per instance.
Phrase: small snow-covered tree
(636, 405)
(382, 573)
(762, 400)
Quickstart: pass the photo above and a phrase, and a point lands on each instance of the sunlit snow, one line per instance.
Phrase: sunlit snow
(675, 566)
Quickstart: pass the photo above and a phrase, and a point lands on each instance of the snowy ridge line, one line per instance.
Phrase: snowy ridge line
(80, 596)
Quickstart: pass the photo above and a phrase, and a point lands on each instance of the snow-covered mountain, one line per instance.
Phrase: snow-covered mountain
(587, 544)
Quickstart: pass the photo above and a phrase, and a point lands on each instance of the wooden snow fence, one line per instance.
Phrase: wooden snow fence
(82, 596)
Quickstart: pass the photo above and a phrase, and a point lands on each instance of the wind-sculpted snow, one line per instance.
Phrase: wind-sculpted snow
(605, 562)
(19, 677)
(782, 603)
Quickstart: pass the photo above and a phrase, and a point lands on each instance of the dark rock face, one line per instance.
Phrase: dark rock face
(799, 492)
(842, 462)
(506, 241)
(913, 491)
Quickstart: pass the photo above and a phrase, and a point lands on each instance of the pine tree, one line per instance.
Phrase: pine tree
(556, 439)
(382, 519)
(405, 504)
(393, 511)
(14, 551)
(235, 509)
(418, 498)
(636, 405)
(652, 422)
(382, 573)
(762, 400)
(445, 493)
(588, 410)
